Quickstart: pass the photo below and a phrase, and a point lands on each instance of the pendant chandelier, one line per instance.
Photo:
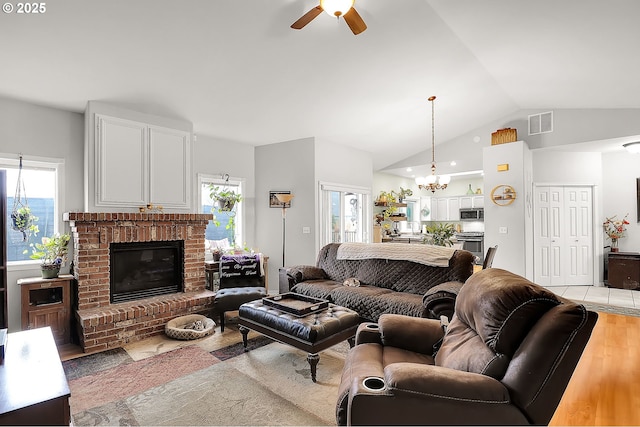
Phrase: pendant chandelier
(433, 182)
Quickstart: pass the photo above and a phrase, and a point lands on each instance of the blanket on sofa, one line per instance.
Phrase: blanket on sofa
(437, 256)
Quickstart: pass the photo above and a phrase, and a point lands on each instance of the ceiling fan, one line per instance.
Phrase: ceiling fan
(335, 8)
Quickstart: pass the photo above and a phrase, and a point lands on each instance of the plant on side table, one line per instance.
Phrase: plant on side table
(52, 252)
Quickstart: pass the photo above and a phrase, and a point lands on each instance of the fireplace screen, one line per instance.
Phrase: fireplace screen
(146, 269)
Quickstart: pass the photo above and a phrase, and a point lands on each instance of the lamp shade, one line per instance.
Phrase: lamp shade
(284, 198)
(444, 180)
(336, 7)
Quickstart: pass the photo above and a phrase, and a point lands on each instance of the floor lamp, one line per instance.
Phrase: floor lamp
(285, 199)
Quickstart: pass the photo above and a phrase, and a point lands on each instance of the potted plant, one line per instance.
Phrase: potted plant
(615, 229)
(225, 198)
(24, 221)
(403, 193)
(440, 234)
(52, 252)
(225, 201)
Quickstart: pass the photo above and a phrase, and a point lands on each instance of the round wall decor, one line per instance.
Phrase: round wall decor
(503, 195)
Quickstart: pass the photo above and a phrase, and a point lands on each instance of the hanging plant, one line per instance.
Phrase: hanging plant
(22, 220)
(225, 200)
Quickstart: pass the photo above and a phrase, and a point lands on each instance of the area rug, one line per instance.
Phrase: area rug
(608, 308)
(268, 385)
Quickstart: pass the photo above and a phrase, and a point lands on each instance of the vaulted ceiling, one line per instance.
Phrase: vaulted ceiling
(239, 72)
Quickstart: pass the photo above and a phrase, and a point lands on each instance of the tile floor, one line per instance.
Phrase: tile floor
(599, 295)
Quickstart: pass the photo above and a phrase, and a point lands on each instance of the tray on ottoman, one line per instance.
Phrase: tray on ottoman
(296, 304)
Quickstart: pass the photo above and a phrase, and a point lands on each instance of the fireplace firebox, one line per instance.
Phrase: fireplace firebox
(146, 269)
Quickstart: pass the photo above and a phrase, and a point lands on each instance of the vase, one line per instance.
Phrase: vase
(614, 245)
(49, 271)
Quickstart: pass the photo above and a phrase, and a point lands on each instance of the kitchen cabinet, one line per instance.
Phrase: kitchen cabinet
(137, 164)
(453, 209)
(468, 202)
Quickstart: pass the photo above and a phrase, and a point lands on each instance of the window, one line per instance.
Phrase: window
(412, 224)
(345, 214)
(41, 180)
(225, 229)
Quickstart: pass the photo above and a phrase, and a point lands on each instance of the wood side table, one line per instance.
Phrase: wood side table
(47, 302)
(33, 386)
(624, 270)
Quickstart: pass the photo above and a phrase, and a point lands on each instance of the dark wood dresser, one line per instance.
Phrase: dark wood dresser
(33, 386)
(624, 270)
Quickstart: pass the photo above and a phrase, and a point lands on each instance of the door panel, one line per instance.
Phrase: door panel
(563, 240)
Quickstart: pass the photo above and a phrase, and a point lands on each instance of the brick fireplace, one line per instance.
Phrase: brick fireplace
(101, 324)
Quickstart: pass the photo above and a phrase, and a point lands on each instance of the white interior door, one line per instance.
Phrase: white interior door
(563, 238)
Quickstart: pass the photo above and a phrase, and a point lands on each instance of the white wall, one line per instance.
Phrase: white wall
(619, 171)
(38, 131)
(286, 166)
(514, 245)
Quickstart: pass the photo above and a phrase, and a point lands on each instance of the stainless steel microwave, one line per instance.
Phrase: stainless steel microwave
(472, 214)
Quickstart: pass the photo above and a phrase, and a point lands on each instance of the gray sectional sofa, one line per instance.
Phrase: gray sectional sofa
(400, 282)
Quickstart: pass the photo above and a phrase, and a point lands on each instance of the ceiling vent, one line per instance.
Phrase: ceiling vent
(541, 123)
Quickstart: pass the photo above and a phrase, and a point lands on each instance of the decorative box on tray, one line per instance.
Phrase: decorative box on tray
(296, 304)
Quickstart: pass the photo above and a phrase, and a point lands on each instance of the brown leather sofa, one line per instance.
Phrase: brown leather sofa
(394, 286)
(506, 358)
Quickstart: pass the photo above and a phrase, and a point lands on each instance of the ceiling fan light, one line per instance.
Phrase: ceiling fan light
(632, 147)
(336, 8)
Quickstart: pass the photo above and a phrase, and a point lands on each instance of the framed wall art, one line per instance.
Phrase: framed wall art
(275, 203)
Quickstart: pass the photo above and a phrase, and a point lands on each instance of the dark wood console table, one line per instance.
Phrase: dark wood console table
(624, 270)
(33, 386)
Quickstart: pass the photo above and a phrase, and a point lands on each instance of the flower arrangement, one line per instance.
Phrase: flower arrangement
(615, 228)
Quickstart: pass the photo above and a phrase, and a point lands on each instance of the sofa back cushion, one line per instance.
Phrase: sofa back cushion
(396, 275)
(495, 310)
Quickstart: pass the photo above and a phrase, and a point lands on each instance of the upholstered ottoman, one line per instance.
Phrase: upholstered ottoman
(312, 333)
(230, 299)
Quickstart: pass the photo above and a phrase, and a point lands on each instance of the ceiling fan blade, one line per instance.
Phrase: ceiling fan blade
(306, 18)
(354, 21)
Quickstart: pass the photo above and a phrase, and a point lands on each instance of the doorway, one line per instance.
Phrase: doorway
(563, 235)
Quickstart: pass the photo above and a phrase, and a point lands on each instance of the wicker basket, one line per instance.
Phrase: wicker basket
(503, 136)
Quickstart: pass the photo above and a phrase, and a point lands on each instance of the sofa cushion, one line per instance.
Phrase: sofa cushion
(317, 288)
(495, 310)
(363, 299)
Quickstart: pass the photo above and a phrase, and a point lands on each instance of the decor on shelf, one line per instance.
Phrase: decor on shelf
(225, 201)
(22, 220)
(503, 195)
(403, 193)
(284, 198)
(52, 252)
(615, 229)
(433, 182)
(151, 209)
(440, 234)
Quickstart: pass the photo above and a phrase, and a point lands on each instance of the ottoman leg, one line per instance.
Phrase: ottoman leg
(244, 331)
(313, 359)
(222, 321)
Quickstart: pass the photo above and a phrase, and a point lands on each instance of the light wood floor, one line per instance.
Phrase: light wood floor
(605, 387)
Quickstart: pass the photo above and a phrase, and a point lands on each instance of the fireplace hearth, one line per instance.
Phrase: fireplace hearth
(145, 269)
(107, 321)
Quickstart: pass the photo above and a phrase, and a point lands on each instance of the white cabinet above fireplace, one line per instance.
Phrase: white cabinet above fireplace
(133, 163)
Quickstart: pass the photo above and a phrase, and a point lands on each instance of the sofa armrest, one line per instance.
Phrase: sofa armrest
(367, 333)
(440, 300)
(461, 397)
(302, 273)
(416, 334)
